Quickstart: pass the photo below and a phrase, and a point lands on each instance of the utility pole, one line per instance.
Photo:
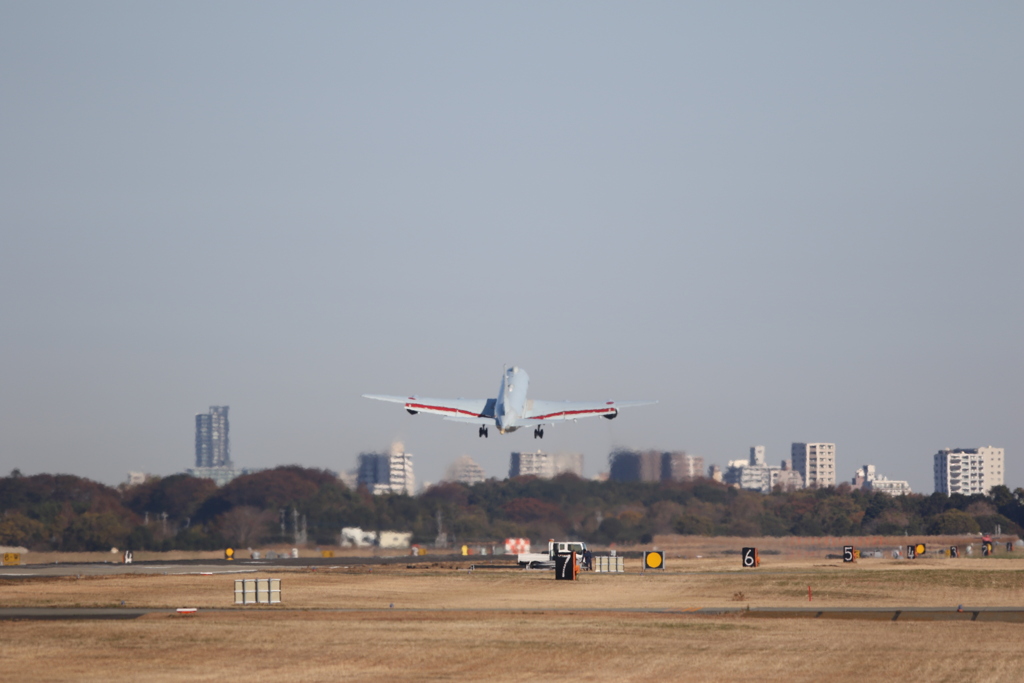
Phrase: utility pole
(442, 539)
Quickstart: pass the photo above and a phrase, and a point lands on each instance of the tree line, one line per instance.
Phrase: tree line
(180, 512)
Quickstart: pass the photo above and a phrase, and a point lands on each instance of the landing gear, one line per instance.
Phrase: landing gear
(538, 433)
(483, 432)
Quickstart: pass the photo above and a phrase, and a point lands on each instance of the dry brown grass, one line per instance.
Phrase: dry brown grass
(528, 640)
(688, 583)
(505, 647)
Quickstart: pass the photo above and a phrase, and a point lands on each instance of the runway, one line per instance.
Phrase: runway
(178, 567)
(983, 614)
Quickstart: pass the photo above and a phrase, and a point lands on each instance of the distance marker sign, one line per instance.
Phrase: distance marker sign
(750, 558)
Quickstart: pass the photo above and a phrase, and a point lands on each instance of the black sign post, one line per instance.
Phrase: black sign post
(847, 553)
(565, 566)
(750, 558)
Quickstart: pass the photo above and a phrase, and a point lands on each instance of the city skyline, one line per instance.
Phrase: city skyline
(785, 223)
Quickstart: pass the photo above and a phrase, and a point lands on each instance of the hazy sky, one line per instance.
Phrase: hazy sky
(784, 221)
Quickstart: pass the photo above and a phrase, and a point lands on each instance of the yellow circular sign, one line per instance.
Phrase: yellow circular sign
(653, 560)
(229, 553)
(919, 550)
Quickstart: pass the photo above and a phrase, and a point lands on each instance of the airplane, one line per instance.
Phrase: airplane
(511, 410)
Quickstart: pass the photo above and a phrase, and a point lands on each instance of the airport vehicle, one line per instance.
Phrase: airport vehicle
(511, 410)
(547, 560)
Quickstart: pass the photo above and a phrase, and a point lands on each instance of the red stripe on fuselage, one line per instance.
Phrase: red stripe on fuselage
(442, 409)
(571, 412)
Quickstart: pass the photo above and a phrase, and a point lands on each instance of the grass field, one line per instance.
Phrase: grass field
(505, 647)
(449, 634)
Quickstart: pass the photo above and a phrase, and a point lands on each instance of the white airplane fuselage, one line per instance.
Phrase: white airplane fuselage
(510, 405)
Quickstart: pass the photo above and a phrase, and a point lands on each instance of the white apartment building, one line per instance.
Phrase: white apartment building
(747, 476)
(465, 470)
(681, 466)
(891, 487)
(754, 475)
(968, 470)
(387, 473)
(816, 463)
(545, 465)
(867, 480)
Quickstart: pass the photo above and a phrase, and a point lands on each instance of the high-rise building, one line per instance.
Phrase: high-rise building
(655, 466)
(212, 446)
(635, 465)
(681, 466)
(757, 455)
(816, 463)
(213, 450)
(968, 470)
(465, 470)
(391, 472)
(545, 465)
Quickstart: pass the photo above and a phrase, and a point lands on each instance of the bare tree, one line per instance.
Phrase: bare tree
(245, 525)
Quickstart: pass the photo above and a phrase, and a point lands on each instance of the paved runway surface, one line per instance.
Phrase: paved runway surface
(217, 566)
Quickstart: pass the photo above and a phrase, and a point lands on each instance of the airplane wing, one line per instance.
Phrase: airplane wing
(547, 412)
(486, 421)
(451, 407)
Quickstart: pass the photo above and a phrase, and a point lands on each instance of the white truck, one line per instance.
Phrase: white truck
(547, 560)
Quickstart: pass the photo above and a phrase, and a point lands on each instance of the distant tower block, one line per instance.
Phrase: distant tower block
(212, 446)
(545, 465)
(757, 455)
(816, 463)
(387, 473)
(968, 471)
(465, 470)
